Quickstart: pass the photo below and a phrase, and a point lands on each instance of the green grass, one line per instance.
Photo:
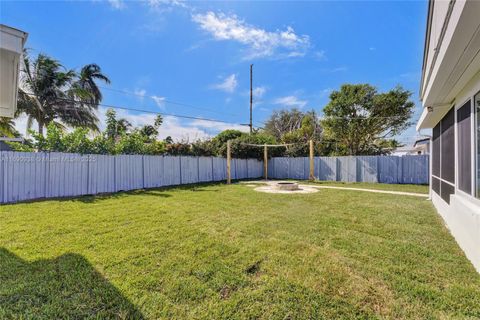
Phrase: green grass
(228, 252)
(377, 186)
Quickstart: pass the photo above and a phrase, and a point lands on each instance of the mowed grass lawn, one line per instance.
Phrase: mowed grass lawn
(229, 252)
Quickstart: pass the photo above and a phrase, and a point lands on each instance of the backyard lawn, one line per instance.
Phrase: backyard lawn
(229, 252)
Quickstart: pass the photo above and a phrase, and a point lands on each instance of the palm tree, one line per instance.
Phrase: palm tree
(86, 92)
(123, 126)
(50, 93)
(7, 127)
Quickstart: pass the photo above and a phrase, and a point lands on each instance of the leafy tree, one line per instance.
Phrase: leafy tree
(206, 148)
(155, 148)
(240, 149)
(179, 149)
(133, 143)
(20, 147)
(151, 131)
(309, 130)
(115, 127)
(123, 126)
(168, 140)
(297, 128)
(219, 142)
(226, 135)
(360, 120)
(283, 121)
(158, 121)
(101, 144)
(49, 93)
(52, 141)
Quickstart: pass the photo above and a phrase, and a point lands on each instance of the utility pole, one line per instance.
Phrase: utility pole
(251, 97)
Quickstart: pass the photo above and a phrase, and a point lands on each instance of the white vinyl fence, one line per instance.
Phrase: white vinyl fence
(382, 169)
(26, 175)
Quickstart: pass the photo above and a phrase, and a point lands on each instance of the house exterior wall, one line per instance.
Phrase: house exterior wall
(11, 48)
(450, 81)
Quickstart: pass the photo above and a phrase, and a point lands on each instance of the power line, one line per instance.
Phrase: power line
(144, 111)
(167, 101)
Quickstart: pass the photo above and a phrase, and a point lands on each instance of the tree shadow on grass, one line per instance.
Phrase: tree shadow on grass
(66, 287)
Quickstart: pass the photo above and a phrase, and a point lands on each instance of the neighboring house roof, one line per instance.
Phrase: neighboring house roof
(421, 142)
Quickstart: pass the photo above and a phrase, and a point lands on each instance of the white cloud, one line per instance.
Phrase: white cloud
(218, 126)
(321, 55)
(117, 4)
(337, 69)
(160, 101)
(165, 3)
(21, 125)
(140, 92)
(178, 129)
(260, 42)
(410, 76)
(181, 132)
(325, 92)
(258, 92)
(171, 125)
(229, 84)
(291, 101)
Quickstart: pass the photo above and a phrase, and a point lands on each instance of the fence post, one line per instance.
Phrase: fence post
(312, 163)
(265, 161)
(229, 159)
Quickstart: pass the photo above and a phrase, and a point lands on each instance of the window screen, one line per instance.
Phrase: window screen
(476, 100)
(445, 191)
(447, 149)
(436, 151)
(436, 185)
(464, 148)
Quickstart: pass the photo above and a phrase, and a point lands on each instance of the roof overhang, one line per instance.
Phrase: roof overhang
(432, 115)
(456, 61)
(11, 49)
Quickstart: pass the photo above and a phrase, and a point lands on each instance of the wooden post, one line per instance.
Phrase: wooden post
(312, 164)
(265, 162)
(229, 159)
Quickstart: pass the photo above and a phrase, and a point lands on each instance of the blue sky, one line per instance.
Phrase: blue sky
(198, 53)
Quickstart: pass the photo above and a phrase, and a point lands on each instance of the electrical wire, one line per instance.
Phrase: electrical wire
(167, 101)
(145, 111)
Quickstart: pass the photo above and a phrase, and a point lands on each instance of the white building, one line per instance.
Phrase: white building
(450, 93)
(11, 49)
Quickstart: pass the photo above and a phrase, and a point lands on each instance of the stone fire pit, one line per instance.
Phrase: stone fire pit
(286, 186)
(283, 187)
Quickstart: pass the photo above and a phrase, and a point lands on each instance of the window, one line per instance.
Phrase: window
(464, 148)
(443, 156)
(476, 100)
(436, 151)
(447, 149)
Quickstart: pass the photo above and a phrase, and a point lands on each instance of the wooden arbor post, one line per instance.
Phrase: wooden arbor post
(265, 162)
(312, 164)
(229, 160)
